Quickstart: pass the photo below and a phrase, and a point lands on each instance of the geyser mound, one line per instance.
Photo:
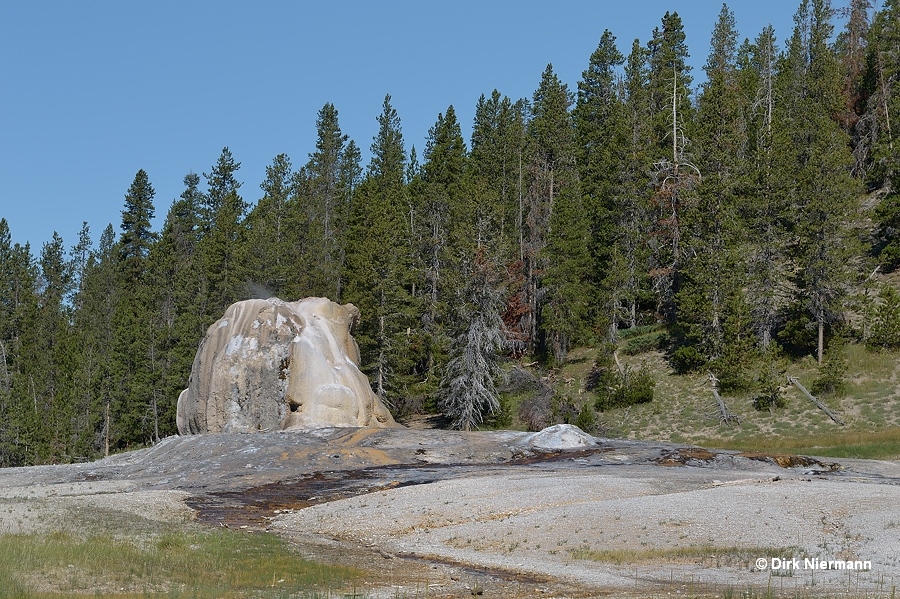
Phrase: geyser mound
(274, 365)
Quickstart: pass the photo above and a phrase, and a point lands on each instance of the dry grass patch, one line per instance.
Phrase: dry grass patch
(704, 555)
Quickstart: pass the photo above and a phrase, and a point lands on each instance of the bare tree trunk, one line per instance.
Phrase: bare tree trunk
(674, 118)
(884, 102)
(106, 431)
(796, 382)
(821, 340)
(6, 381)
(435, 265)
(725, 415)
(379, 377)
(155, 418)
(550, 210)
(520, 223)
(619, 366)
(769, 102)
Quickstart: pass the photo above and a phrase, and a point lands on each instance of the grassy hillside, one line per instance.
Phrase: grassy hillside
(684, 410)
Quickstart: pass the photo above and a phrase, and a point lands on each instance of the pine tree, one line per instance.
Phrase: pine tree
(322, 202)
(627, 281)
(675, 177)
(268, 252)
(882, 83)
(81, 254)
(888, 215)
(712, 283)
(96, 330)
(554, 178)
(176, 320)
(720, 126)
(221, 183)
(669, 83)
(36, 353)
(51, 357)
(570, 296)
(499, 173)
(763, 212)
(444, 227)
(815, 166)
(84, 407)
(378, 255)
(137, 235)
(18, 347)
(351, 169)
(601, 133)
(130, 410)
(7, 308)
(851, 51)
(880, 119)
(222, 232)
(498, 165)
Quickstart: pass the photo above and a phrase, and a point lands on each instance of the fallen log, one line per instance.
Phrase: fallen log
(796, 382)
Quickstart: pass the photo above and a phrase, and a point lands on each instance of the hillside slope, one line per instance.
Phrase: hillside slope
(684, 409)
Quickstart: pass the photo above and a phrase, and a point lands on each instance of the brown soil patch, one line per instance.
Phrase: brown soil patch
(253, 508)
(685, 456)
(789, 460)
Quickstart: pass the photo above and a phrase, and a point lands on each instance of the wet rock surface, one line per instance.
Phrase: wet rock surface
(504, 507)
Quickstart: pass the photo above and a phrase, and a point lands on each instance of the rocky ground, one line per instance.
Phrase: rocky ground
(505, 513)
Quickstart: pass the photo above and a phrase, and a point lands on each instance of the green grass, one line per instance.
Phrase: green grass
(684, 410)
(874, 445)
(195, 563)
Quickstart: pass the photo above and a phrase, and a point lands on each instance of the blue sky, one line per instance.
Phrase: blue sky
(92, 91)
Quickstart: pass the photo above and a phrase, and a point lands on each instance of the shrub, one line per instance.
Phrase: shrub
(586, 420)
(535, 412)
(603, 374)
(562, 410)
(534, 409)
(645, 343)
(637, 331)
(408, 404)
(502, 418)
(832, 372)
(885, 328)
(770, 396)
(687, 358)
(635, 387)
(798, 337)
(639, 385)
(520, 380)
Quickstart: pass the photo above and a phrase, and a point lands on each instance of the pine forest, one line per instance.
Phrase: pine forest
(749, 219)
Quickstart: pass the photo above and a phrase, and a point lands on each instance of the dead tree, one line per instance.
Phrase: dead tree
(796, 382)
(725, 415)
(619, 366)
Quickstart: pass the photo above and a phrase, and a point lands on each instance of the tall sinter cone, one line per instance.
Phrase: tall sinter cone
(274, 365)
